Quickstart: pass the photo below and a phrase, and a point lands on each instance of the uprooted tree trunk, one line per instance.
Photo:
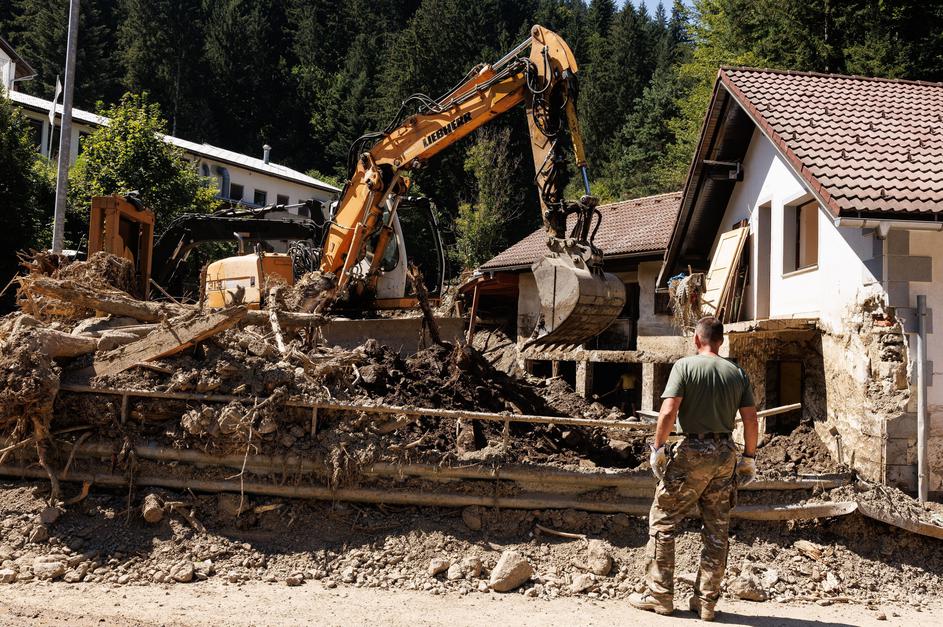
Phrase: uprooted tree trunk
(113, 302)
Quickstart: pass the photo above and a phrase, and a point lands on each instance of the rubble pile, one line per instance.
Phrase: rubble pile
(444, 551)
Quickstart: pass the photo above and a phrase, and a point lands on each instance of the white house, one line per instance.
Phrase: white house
(12, 67)
(840, 180)
(240, 178)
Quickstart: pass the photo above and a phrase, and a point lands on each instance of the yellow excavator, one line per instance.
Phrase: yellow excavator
(362, 244)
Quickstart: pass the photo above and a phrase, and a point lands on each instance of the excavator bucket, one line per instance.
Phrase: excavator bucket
(577, 301)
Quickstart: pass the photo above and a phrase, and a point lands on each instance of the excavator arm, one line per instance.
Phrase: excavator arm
(578, 300)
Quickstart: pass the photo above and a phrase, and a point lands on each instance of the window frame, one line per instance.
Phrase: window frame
(795, 232)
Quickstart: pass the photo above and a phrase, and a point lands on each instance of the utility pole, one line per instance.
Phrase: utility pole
(65, 129)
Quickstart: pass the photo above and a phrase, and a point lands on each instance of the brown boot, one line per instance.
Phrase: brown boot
(704, 610)
(645, 601)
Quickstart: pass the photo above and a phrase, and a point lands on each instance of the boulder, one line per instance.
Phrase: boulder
(47, 567)
(511, 571)
(598, 559)
(182, 572)
(747, 588)
(437, 565)
(472, 517)
(7, 575)
(582, 583)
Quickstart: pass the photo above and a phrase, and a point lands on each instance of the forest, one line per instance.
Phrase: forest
(308, 77)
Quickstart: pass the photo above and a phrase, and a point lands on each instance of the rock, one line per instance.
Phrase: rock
(294, 580)
(471, 516)
(880, 616)
(349, 575)
(227, 505)
(49, 515)
(7, 575)
(747, 588)
(471, 567)
(76, 574)
(598, 560)
(455, 572)
(47, 567)
(831, 583)
(582, 583)
(511, 571)
(770, 577)
(437, 565)
(40, 533)
(182, 572)
(688, 578)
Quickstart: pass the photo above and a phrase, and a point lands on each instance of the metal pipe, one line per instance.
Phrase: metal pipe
(923, 425)
(512, 54)
(65, 132)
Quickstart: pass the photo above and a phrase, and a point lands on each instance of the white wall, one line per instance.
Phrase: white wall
(931, 245)
(7, 71)
(820, 292)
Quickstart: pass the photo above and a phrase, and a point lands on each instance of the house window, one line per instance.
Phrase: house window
(36, 133)
(236, 191)
(800, 236)
(260, 197)
(281, 199)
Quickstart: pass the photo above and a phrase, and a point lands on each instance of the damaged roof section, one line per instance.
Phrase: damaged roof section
(631, 228)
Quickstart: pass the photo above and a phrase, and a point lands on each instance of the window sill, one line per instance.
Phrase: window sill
(804, 270)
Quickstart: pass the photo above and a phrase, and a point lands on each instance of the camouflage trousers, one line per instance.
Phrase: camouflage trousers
(699, 472)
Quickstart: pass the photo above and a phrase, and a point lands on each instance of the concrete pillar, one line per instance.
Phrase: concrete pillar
(584, 378)
(648, 386)
(654, 379)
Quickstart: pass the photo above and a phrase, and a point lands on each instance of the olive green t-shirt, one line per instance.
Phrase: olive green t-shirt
(712, 389)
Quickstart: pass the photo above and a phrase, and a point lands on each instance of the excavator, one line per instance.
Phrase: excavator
(362, 244)
(578, 299)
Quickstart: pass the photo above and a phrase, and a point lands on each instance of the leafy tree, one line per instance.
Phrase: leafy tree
(481, 224)
(130, 154)
(25, 193)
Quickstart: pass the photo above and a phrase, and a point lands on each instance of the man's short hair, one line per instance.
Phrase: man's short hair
(710, 330)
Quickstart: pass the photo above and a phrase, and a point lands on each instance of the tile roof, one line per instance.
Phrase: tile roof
(862, 144)
(202, 150)
(630, 227)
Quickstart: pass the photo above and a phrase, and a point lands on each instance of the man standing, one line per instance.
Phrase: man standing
(704, 392)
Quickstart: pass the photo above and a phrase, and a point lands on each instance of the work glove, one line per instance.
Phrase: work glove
(658, 461)
(746, 471)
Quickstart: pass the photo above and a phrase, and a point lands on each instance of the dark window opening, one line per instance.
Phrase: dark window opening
(281, 199)
(662, 304)
(260, 197)
(783, 387)
(619, 385)
(236, 191)
(540, 368)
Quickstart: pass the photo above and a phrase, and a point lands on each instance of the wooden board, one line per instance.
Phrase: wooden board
(176, 336)
(719, 279)
(926, 529)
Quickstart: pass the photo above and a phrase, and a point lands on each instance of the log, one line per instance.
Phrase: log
(166, 341)
(59, 345)
(633, 507)
(152, 509)
(113, 302)
(537, 475)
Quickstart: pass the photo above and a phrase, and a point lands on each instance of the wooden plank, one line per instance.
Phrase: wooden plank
(925, 529)
(165, 341)
(113, 302)
(723, 268)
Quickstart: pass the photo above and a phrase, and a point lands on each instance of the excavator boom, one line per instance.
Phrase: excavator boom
(578, 300)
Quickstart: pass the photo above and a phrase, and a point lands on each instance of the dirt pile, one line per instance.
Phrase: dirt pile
(800, 452)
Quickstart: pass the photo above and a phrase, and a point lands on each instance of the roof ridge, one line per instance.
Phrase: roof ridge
(642, 198)
(859, 77)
